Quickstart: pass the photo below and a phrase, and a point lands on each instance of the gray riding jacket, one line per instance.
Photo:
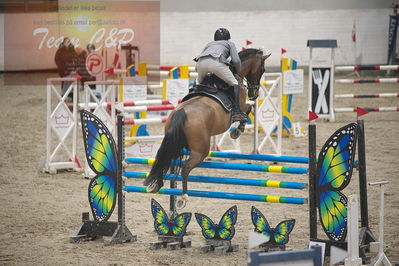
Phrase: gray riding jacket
(222, 50)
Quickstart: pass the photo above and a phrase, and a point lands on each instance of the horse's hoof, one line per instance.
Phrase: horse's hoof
(241, 127)
(181, 203)
(153, 187)
(235, 133)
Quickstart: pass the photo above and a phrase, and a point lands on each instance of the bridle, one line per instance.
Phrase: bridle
(250, 84)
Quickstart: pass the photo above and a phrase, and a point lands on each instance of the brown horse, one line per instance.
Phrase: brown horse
(193, 122)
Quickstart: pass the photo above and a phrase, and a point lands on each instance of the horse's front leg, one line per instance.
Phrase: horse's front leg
(234, 134)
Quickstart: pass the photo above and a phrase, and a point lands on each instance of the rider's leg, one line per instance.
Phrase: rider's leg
(223, 72)
(212, 65)
(204, 66)
(237, 114)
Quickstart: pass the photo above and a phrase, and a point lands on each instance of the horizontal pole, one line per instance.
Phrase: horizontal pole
(367, 67)
(61, 79)
(150, 108)
(359, 81)
(102, 82)
(147, 102)
(268, 82)
(257, 157)
(130, 103)
(159, 72)
(157, 67)
(145, 121)
(368, 95)
(225, 180)
(370, 109)
(144, 138)
(232, 166)
(221, 195)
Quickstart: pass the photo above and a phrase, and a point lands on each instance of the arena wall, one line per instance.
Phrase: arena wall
(186, 26)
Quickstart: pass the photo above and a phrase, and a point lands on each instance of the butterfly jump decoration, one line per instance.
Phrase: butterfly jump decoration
(101, 156)
(166, 226)
(334, 171)
(224, 230)
(276, 236)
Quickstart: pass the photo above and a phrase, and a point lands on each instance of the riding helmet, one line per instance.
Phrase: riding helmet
(222, 34)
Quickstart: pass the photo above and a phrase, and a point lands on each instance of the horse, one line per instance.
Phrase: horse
(192, 124)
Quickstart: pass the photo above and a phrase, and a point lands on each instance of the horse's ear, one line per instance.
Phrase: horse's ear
(266, 56)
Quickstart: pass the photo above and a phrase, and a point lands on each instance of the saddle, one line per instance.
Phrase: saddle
(215, 88)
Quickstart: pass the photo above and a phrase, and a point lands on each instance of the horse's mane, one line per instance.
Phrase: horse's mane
(249, 51)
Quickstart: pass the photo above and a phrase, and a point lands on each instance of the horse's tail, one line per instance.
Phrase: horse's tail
(170, 149)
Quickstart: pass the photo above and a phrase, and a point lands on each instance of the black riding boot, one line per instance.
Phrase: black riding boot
(237, 114)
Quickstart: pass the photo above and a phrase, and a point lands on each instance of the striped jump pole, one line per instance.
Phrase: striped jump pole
(231, 166)
(256, 157)
(359, 81)
(225, 180)
(129, 103)
(147, 102)
(368, 95)
(147, 108)
(370, 109)
(367, 67)
(221, 195)
(146, 121)
(157, 67)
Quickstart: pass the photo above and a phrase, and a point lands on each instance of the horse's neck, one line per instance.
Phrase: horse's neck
(245, 67)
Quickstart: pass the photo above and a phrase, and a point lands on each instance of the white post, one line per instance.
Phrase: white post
(353, 232)
(381, 257)
(75, 125)
(48, 129)
(256, 133)
(332, 81)
(280, 113)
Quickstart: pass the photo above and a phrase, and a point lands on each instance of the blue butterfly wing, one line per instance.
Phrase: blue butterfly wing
(333, 214)
(101, 156)
(334, 170)
(161, 220)
(180, 223)
(282, 231)
(261, 224)
(226, 228)
(209, 229)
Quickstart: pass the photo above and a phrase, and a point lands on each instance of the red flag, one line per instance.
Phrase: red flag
(243, 48)
(249, 42)
(109, 71)
(361, 111)
(78, 77)
(283, 51)
(116, 58)
(354, 31)
(312, 116)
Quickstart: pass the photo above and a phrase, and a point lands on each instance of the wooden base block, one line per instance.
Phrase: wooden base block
(170, 243)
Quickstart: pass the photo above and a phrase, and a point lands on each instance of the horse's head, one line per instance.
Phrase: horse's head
(253, 67)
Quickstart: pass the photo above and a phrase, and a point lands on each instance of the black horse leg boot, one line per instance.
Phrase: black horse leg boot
(237, 114)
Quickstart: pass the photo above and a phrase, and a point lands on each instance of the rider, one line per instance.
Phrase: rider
(213, 59)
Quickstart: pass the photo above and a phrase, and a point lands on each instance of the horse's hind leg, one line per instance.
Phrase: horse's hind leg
(196, 157)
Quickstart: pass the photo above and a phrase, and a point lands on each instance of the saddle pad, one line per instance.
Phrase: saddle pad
(219, 96)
